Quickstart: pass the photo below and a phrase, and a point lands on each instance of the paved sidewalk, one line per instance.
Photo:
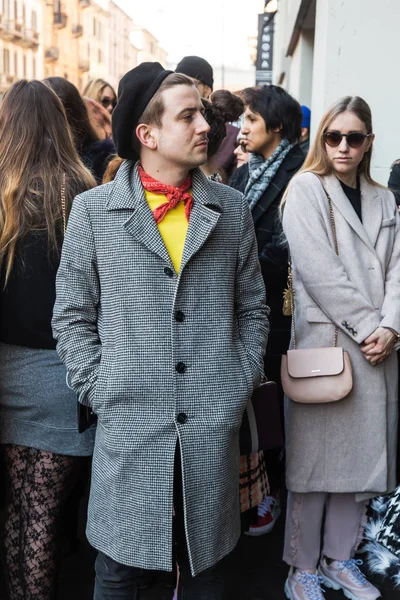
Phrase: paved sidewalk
(254, 572)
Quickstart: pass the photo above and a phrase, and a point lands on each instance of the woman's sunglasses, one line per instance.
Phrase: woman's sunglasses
(354, 140)
(106, 101)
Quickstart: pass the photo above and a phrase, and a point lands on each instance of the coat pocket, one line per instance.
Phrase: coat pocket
(104, 377)
(247, 372)
(316, 315)
(388, 222)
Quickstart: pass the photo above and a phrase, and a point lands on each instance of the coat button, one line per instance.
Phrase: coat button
(182, 418)
(169, 272)
(179, 316)
(180, 367)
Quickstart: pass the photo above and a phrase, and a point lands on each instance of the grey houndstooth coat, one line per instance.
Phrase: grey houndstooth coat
(160, 356)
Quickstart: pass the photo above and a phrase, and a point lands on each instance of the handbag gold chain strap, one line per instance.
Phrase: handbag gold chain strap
(290, 272)
(63, 203)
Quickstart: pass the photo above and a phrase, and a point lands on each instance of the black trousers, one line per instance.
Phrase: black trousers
(115, 581)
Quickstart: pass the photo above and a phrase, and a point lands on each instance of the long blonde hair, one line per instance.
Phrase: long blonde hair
(36, 153)
(317, 160)
(94, 89)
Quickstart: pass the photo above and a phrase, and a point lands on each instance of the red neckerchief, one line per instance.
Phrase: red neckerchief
(173, 194)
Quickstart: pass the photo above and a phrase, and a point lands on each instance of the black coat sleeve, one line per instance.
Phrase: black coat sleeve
(238, 181)
(394, 182)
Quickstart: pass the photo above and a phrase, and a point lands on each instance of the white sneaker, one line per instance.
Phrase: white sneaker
(301, 585)
(346, 576)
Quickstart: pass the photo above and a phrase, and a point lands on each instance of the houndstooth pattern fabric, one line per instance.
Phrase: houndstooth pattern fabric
(382, 537)
(389, 533)
(153, 375)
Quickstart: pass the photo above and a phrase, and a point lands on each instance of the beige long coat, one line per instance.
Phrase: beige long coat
(350, 445)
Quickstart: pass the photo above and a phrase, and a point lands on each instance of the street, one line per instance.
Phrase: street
(255, 571)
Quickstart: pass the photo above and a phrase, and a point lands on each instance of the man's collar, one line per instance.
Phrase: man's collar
(126, 191)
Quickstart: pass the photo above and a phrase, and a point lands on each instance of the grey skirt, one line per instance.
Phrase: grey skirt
(37, 409)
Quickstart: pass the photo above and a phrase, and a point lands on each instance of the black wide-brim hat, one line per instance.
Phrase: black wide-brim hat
(135, 90)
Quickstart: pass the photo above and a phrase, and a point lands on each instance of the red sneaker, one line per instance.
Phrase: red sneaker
(268, 513)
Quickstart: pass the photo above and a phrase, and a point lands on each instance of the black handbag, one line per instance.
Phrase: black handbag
(86, 417)
(261, 427)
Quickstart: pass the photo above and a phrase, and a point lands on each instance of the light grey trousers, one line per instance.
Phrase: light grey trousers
(343, 529)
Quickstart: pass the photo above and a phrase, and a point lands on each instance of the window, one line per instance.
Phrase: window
(15, 9)
(6, 60)
(99, 56)
(34, 20)
(15, 63)
(24, 66)
(34, 68)
(94, 27)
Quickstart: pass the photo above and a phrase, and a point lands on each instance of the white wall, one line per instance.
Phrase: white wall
(293, 72)
(281, 62)
(356, 52)
(299, 81)
(292, 8)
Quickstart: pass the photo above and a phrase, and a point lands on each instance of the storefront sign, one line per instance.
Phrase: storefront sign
(265, 47)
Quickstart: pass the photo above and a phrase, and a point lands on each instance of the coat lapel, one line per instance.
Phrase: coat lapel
(204, 217)
(288, 168)
(371, 208)
(127, 193)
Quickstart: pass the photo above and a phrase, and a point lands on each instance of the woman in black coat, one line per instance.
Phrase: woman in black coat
(271, 130)
(94, 152)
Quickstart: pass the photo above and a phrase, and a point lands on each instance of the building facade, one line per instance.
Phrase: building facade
(21, 51)
(75, 39)
(148, 47)
(94, 46)
(62, 29)
(324, 49)
(123, 55)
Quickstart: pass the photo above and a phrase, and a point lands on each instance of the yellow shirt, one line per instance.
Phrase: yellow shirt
(173, 227)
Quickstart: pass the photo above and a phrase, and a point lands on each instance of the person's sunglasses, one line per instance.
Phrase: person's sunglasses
(106, 101)
(354, 139)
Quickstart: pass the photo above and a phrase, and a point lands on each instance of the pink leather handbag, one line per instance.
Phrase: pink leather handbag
(316, 375)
